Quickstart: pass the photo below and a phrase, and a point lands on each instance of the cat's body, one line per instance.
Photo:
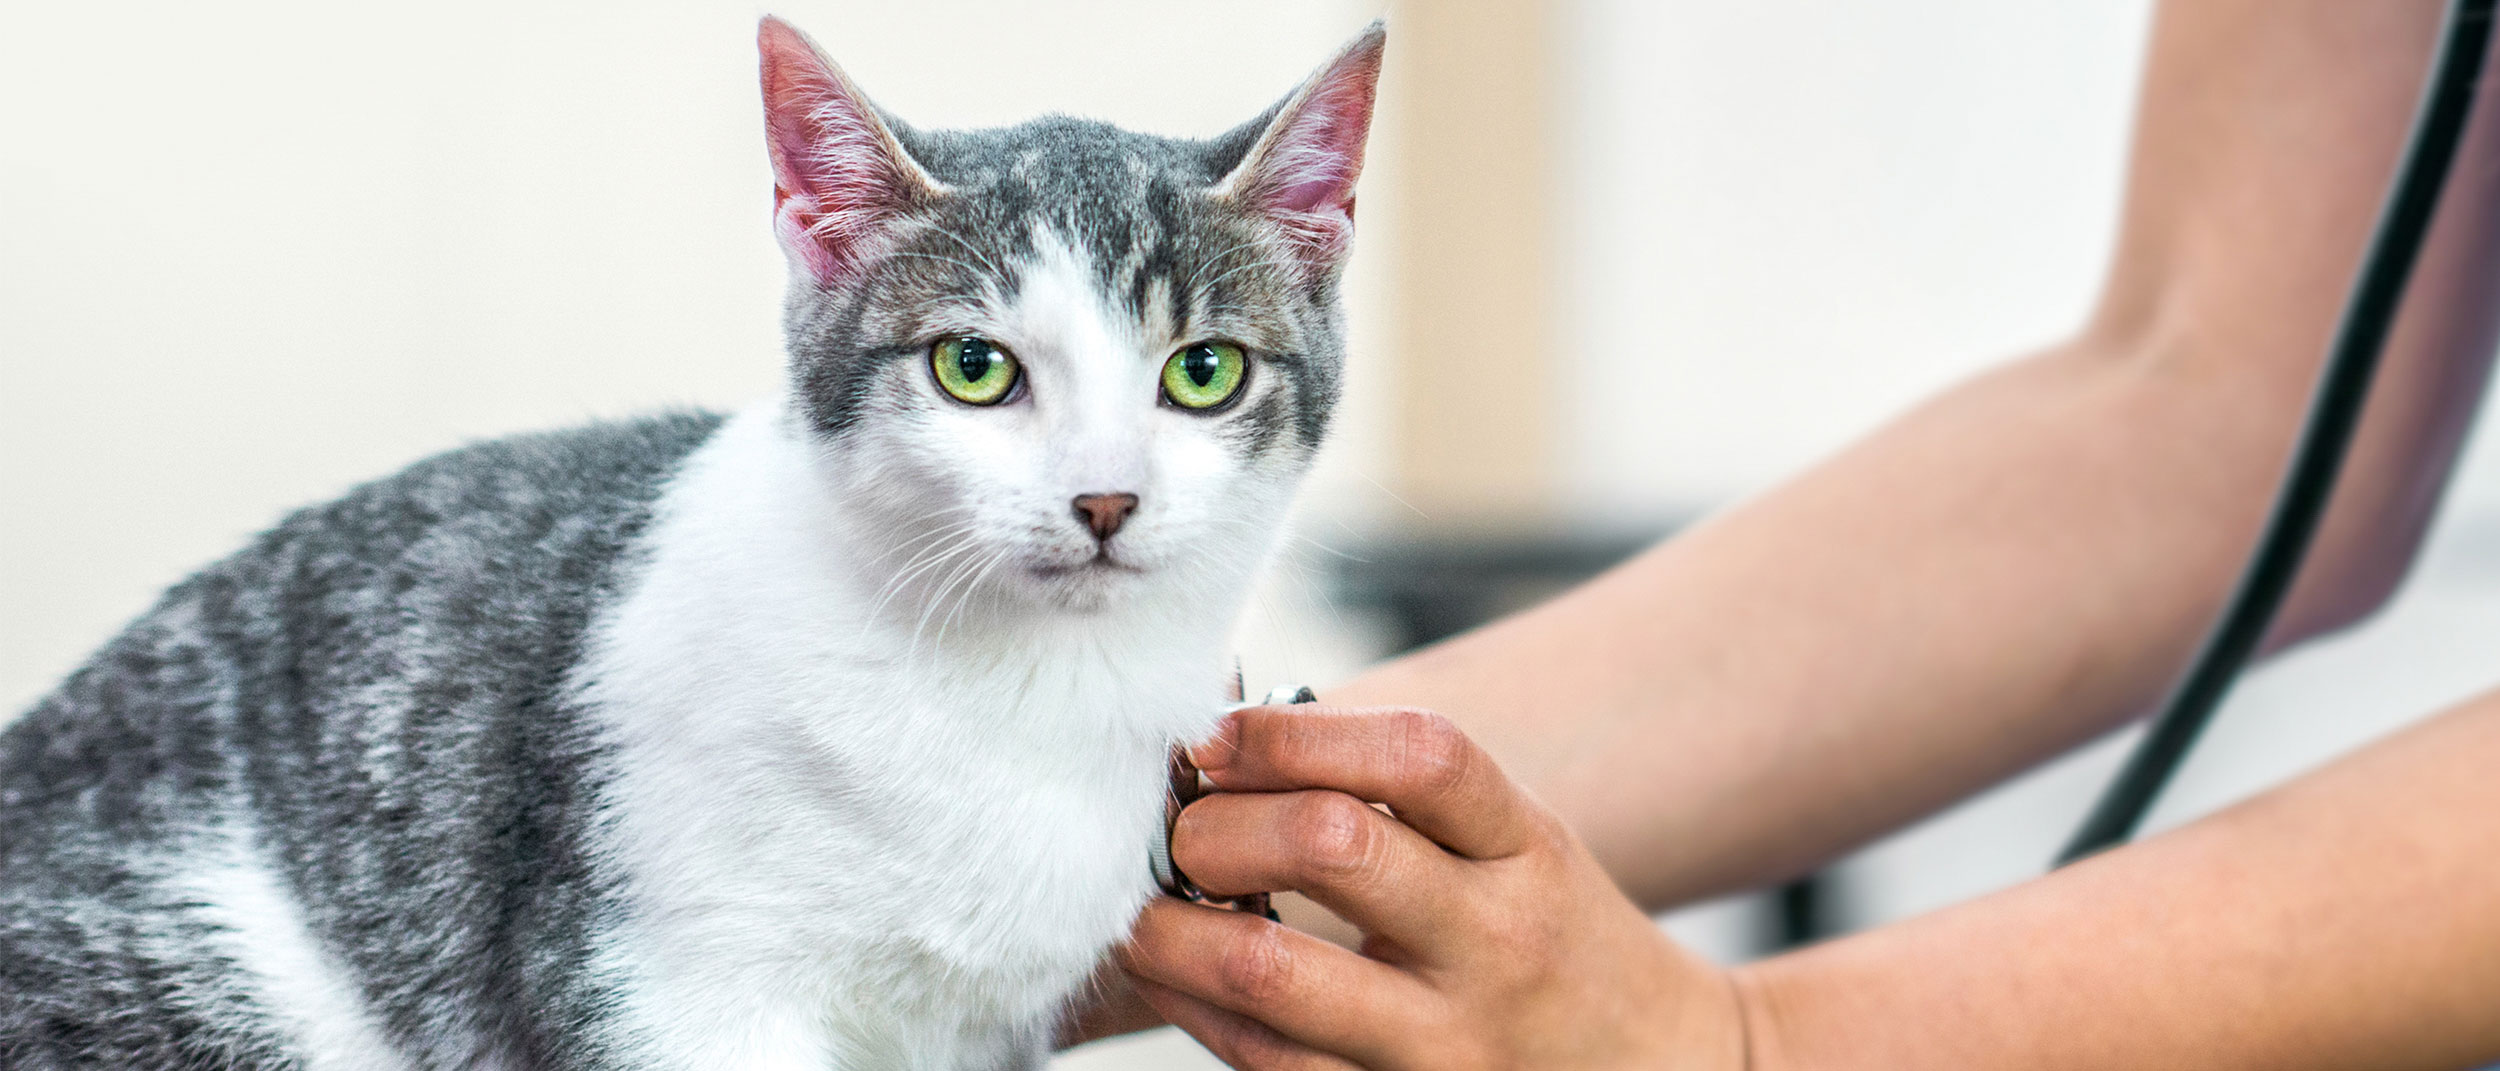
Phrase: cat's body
(824, 736)
(213, 830)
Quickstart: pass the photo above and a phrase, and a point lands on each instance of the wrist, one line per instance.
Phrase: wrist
(1712, 1026)
(1749, 997)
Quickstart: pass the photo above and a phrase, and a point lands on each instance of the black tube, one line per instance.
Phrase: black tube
(2334, 413)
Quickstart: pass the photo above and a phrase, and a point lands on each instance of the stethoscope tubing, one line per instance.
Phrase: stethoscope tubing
(2326, 438)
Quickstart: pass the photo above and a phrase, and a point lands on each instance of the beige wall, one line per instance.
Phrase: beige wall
(1477, 90)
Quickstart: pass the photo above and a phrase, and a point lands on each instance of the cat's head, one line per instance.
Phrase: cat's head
(1060, 361)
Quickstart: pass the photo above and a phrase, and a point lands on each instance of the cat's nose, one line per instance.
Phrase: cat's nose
(1104, 513)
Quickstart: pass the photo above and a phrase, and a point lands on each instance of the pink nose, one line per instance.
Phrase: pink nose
(1104, 513)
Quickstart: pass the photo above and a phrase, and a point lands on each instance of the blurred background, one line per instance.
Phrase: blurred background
(1622, 263)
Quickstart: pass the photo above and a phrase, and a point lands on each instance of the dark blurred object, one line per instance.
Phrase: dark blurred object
(1434, 587)
(1437, 587)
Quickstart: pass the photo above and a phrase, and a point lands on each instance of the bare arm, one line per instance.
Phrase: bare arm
(2344, 920)
(2023, 562)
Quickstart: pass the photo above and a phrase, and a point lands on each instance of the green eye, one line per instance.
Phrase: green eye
(1204, 375)
(974, 370)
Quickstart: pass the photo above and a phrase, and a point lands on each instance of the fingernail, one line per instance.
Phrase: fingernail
(1217, 751)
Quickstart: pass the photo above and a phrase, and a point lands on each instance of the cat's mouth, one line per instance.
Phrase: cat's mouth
(1101, 564)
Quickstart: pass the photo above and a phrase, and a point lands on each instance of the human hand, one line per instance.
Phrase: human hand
(1492, 938)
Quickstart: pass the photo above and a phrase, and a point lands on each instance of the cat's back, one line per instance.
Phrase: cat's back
(455, 568)
(352, 731)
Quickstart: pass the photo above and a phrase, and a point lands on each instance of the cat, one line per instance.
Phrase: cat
(827, 734)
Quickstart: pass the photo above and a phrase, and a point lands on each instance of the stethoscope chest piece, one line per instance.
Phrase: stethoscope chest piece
(1187, 787)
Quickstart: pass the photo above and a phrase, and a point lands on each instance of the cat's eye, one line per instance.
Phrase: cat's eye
(974, 370)
(1204, 375)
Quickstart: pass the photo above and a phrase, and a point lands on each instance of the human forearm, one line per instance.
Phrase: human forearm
(1990, 580)
(2024, 561)
(2343, 921)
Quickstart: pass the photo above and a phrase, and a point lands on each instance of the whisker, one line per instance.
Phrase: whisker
(1356, 558)
(927, 547)
(895, 587)
(997, 558)
(1393, 496)
(1311, 593)
(1284, 636)
(923, 538)
(943, 587)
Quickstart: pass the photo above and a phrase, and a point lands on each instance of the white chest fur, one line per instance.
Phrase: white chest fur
(839, 844)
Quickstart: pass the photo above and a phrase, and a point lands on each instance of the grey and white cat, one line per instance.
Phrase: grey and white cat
(826, 735)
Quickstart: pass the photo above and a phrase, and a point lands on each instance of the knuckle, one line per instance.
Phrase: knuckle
(1551, 835)
(1339, 836)
(1434, 756)
(1239, 1043)
(1289, 736)
(1255, 1048)
(1513, 941)
(1546, 846)
(1257, 969)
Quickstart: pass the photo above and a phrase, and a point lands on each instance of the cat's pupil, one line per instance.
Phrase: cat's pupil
(974, 360)
(1200, 365)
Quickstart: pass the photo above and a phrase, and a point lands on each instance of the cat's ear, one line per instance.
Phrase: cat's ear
(1300, 170)
(840, 177)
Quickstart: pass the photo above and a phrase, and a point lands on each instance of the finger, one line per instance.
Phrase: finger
(1364, 865)
(1304, 988)
(1416, 762)
(1239, 1041)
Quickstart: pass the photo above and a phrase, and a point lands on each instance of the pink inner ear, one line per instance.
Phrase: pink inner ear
(1304, 177)
(1315, 163)
(836, 179)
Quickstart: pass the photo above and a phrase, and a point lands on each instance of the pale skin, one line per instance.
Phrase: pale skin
(2016, 566)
